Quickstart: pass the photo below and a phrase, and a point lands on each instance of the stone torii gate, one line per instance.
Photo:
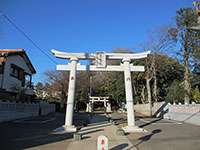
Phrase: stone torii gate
(105, 100)
(100, 65)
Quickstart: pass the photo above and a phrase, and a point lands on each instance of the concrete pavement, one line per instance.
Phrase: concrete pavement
(166, 135)
(100, 126)
(163, 134)
(36, 134)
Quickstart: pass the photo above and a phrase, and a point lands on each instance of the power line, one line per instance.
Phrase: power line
(26, 36)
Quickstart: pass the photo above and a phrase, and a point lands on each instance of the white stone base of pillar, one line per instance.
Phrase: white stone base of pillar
(108, 111)
(87, 108)
(65, 129)
(133, 129)
(108, 108)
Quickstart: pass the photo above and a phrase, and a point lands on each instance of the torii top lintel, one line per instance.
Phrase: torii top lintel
(84, 56)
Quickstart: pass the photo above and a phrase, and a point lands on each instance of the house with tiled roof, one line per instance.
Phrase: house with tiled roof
(16, 71)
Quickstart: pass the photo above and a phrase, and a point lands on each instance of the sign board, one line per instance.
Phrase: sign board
(100, 59)
(102, 143)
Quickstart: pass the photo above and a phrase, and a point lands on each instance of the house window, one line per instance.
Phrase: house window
(2, 59)
(1, 69)
(27, 80)
(17, 72)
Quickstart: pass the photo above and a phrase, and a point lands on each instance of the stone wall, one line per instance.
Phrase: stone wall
(189, 113)
(12, 110)
(185, 113)
(157, 110)
(47, 108)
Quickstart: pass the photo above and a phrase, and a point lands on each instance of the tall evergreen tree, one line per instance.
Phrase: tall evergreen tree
(187, 40)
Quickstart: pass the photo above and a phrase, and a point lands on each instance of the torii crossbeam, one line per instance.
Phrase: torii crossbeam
(100, 65)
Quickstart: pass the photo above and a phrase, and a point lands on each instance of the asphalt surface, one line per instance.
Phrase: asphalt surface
(166, 135)
(36, 133)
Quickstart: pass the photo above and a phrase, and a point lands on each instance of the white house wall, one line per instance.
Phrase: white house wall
(9, 82)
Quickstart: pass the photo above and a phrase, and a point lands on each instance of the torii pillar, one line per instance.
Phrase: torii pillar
(70, 99)
(69, 127)
(129, 99)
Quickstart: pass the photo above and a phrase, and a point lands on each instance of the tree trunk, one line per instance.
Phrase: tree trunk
(187, 86)
(134, 88)
(149, 95)
(154, 84)
(143, 95)
(155, 89)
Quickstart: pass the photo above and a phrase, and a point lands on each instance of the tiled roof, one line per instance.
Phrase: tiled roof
(9, 52)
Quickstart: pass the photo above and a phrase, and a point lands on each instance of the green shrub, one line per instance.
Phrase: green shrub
(196, 94)
(175, 92)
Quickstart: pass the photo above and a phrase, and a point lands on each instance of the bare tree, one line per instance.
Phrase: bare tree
(159, 41)
(57, 85)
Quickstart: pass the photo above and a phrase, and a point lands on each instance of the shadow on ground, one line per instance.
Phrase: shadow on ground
(22, 134)
(120, 147)
(150, 122)
(147, 137)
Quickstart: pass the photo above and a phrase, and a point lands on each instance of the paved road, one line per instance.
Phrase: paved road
(36, 131)
(163, 134)
(99, 125)
(166, 135)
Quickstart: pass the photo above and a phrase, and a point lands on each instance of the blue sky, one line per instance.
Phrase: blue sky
(82, 25)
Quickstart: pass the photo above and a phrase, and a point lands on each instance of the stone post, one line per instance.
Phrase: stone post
(70, 98)
(129, 93)
(129, 99)
(108, 108)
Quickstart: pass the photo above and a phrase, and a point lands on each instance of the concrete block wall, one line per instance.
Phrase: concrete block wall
(47, 108)
(185, 113)
(12, 110)
(157, 109)
(189, 113)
